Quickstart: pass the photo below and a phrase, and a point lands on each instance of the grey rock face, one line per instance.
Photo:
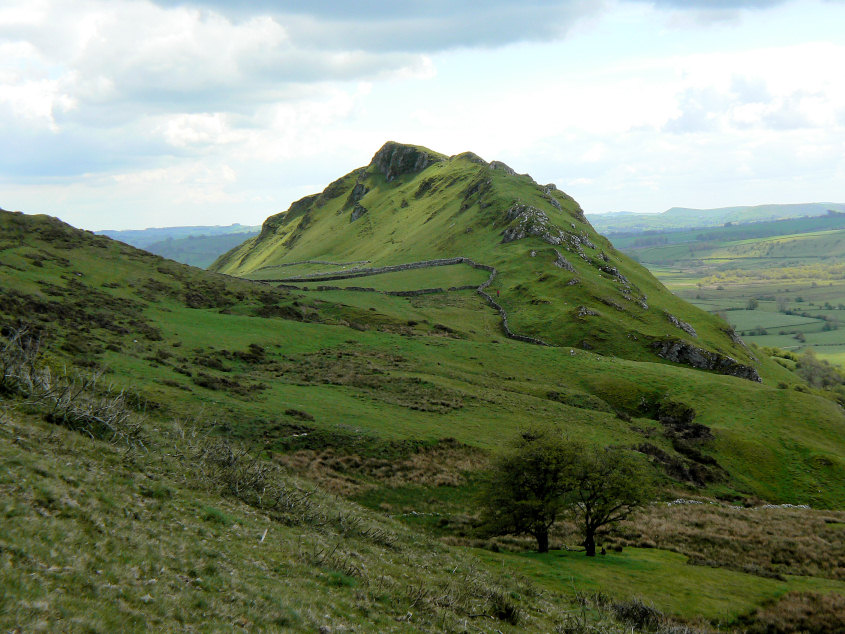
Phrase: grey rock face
(358, 211)
(562, 262)
(681, 324)
(583, 311)
(498, 165)
(585, 240)
(527, 220)
(639, 300)
(554, 203)
(679, 351)
(395, 159)
(357, 193)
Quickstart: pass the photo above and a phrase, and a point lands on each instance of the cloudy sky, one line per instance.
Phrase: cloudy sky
(135, 113)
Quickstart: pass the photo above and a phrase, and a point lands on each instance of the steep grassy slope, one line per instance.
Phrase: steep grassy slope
(394, 401)
(97, 538)
(557, 279)
(268, 362)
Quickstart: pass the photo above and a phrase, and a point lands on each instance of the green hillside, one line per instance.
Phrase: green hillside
(259, 456)
(556, 278)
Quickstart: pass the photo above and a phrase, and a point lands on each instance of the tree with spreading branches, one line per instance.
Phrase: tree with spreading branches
(609, 484)
(526, 491)
(543, 475)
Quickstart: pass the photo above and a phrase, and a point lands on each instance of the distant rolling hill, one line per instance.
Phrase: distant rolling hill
(649, 245)
(143, 238)
(779, 283)
(195, 245)
(678, 218)
(198, 251)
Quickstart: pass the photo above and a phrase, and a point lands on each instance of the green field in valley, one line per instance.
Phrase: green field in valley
(778, 283)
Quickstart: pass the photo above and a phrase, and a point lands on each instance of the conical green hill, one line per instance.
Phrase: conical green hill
(557, 279)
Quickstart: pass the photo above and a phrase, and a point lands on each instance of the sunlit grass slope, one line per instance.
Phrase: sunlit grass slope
(265, 362)
(558, 279)
(370, 378)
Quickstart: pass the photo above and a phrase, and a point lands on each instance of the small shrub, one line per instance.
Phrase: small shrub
(637, 614)
(157, 492)
(504, 608)
(340, 580)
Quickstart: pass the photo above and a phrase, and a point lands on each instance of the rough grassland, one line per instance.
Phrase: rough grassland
(98, 539)
(374, 385)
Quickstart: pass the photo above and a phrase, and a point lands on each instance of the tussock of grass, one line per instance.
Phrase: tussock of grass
(443, 464)
(77, 400)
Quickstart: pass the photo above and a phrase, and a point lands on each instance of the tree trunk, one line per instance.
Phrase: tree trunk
(542, 540)
(590, 542)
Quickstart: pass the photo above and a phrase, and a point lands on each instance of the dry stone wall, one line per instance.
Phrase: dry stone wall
(327, 277)
(677, 351)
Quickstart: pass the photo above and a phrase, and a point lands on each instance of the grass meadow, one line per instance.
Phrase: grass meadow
(779, 284)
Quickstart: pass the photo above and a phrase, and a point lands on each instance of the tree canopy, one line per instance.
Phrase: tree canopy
(609, 484)
(543, 475)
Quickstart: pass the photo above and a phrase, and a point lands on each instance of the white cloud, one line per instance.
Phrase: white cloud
(224, 110)
(104, 79)
(197, 129)
(131, 53)
(413, 25)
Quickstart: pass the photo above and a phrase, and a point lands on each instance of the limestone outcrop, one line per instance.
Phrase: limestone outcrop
(679, 351)
(395, 159)
(680, 324)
